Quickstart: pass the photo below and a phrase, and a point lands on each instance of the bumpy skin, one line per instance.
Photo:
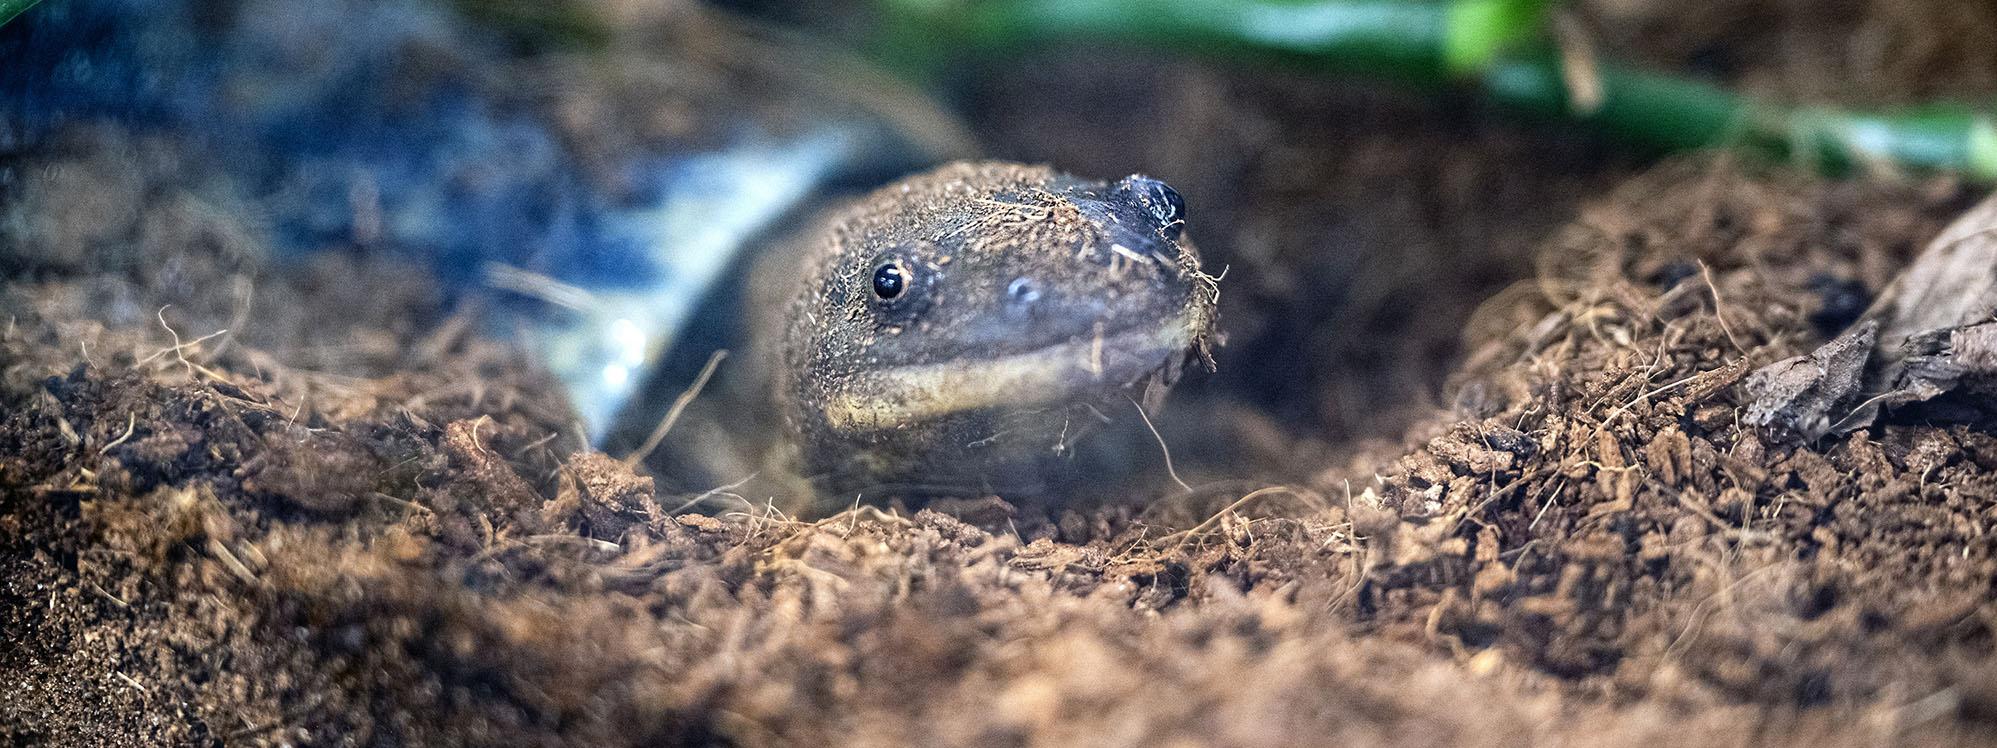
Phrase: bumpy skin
(1033, 304)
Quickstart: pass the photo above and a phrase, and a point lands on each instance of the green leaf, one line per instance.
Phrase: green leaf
(1477, 31)
(11, 8)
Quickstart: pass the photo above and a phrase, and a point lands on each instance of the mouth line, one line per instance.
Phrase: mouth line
(902, 395)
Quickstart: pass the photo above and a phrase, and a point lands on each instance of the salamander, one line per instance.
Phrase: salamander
(959, 330)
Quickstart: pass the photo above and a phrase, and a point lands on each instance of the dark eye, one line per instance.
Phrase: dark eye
(902, 283)
(891, 280)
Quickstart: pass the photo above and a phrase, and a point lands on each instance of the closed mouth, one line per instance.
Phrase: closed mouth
(903, 395)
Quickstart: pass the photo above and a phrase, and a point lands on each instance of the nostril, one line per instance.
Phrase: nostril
(1160, 200)
(1022, 291)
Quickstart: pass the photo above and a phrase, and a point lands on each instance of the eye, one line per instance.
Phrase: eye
(891, 280)
(901, 284)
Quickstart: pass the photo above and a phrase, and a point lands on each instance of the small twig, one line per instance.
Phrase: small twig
(591, 543)
(246, 291)
(178, 349)
(1719, 307)
(94, 587)
(1625, 407)
(404, 503)
(1162, 446)
(177, 346)
(1187, 534)
(727, 490)
(538, 286)
(1548, 505)
(131, 421)
(68, 432)
(536, 443)
(679, 406)
(857, 511)
(131, 682)
(474, 432)
(1695, 622)
(229, 561)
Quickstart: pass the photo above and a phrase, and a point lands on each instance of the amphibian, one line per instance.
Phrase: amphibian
(959, 330)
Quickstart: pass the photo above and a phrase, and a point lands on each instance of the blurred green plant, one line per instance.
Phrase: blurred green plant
(11, 8)
(1503, 49)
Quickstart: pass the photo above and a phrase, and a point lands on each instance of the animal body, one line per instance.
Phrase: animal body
(958, 331)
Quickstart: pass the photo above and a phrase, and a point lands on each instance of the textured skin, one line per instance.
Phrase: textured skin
(1039, 303)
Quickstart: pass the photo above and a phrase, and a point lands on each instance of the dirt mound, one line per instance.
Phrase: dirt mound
(1611, 520)
(256, 500)
(205, 542)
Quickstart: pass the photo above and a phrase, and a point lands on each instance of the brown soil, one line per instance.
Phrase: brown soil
(350, 520)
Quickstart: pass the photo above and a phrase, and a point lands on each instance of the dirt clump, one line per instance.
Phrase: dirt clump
(1615, 521)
